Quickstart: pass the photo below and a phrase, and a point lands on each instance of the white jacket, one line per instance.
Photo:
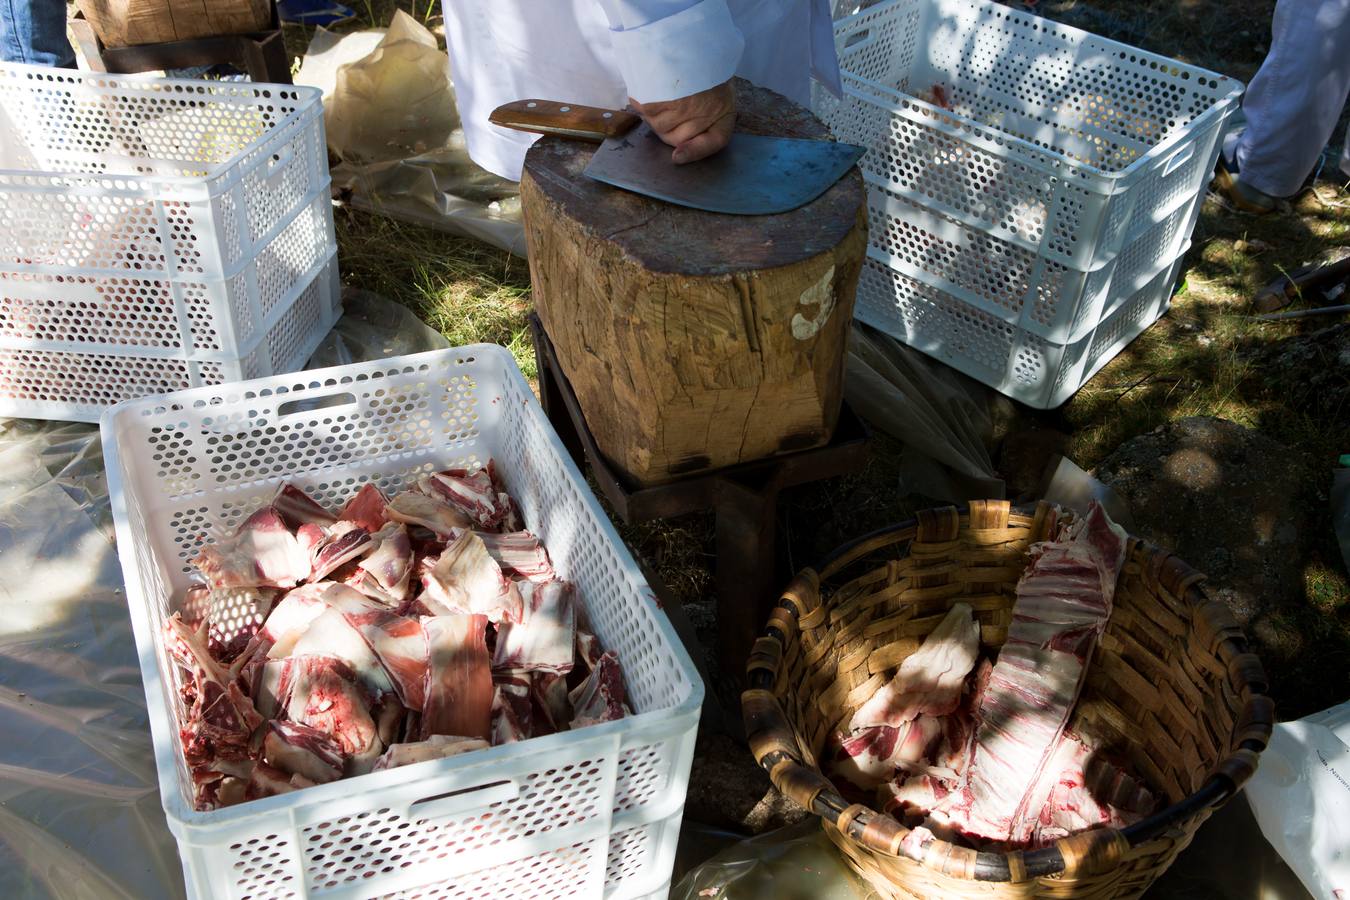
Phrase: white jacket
(601, 52)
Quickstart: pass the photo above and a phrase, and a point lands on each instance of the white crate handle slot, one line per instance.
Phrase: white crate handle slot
(463, 800)
(311, 404)
(856, 38)
(1180, 158)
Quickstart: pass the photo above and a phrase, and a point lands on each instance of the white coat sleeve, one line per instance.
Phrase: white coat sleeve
(667, 49)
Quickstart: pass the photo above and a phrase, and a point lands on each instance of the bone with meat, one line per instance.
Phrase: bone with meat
(545, 637)
(512, 710)
(437, 746)
(601, 697)
(459, 678)
(466, 579)
(366, 508)
(473, 494)
(331, 634)
(412, 508)
(297, 508)
(261, 553)
(341, 543)
(389, 566)
(872, 755)
(398, 642)
(520, 555)
(930, 679)
(291, 617)
(323, 693)
(300, 750)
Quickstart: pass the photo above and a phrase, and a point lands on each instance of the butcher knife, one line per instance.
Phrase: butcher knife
(753, 175)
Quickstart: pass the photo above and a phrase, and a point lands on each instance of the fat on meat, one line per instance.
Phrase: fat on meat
(366, 508)
(601, 697)
(323, 693)
(390, 563)
(332, 635)
(437, 746)
(466, 579)
(930, 680)
(870, 756)
(1063, 602)
(520, 555)
(300, 750)
(413, 508)
(398, 642)
(459, 679)
(261, 553)
(545, 637)
(297, 508)
(474, 494)
(291, 618)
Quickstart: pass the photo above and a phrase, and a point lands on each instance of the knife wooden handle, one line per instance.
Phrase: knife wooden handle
(587, 123)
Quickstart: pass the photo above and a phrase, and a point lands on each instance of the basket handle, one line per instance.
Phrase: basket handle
(311, 404)
(1179, 158)
(277, 162)
(458, 801)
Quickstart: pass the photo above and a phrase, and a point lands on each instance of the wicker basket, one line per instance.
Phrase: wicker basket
(1171, 686)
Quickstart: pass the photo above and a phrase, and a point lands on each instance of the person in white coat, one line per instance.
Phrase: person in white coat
(671, 59)
(1292, 105)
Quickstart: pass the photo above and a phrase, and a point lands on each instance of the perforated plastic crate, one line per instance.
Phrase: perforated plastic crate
(162, 228)
(586, 814)
(1067, 173)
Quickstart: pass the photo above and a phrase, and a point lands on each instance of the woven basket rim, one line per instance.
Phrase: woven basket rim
(1078, 854)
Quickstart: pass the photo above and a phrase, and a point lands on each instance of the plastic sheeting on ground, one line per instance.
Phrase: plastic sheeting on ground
(80, 813)
(941, 416)
(409, 170)
(793, 863)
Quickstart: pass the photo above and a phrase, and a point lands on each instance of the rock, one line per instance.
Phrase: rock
(727, 788)
(1230, 502)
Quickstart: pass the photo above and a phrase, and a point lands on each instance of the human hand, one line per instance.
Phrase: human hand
(697, 126)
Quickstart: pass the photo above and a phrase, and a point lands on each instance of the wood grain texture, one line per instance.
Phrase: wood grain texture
(129, 23)
(695, 340)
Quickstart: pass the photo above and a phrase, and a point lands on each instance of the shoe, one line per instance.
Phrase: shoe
(1243, 196)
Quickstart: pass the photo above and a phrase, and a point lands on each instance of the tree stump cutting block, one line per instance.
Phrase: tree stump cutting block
(695, 340)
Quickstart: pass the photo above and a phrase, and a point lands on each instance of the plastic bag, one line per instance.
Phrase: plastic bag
(794, 863)
(941, 416)
(1301, 798)
(372, 327)
(395, 102)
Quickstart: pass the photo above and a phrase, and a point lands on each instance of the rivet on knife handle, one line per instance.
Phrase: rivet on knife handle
(586, 123)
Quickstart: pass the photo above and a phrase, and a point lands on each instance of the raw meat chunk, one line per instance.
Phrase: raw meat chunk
(435, 747)
(300, 750)
(366, 509)
(1087, 792)
(872, 755)
(601, 697)
(511, 709)
(390, 563)
(341, 543)
(520, 555)
(332, 635)
(545, 637)
(323, 693)
(459, 680)
(290, 618)
(475, 495)
(930, 680)
(399, 642)
(297, 508)
(412, 508)
(551, 710)
(465, 579)
(261, 553)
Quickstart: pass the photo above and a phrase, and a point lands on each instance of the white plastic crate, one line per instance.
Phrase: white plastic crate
(1067, 175)
(1040, 373)
(162, 230)
(587, 814)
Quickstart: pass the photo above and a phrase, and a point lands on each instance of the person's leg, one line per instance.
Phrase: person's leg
(1345, 151)
(1295, 100)
(34, 31)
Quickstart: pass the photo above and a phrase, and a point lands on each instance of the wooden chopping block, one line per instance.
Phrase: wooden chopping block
(695, 340)
(129, 23)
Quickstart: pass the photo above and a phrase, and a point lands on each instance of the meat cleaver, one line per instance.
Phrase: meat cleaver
(752, 176)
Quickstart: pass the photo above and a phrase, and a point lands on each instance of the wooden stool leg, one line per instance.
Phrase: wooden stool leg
(551, 396)
(746, 569)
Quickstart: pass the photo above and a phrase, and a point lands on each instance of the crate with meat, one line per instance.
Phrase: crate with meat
(156, 235)
(391, 644)
(1026, 181)
(1006, 704)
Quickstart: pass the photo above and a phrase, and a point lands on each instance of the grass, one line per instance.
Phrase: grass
(1206, 357)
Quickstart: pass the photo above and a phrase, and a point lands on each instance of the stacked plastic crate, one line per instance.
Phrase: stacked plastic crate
(1032, 187)
(157, 235)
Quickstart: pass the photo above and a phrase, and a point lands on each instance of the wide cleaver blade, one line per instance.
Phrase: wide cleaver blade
(752, 176)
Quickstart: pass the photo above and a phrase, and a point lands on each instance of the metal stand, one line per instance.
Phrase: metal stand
(262, 54)
(744, 498)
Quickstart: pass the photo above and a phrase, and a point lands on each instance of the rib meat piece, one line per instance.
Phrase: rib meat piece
(930, 679)
(459, 679)
(870, 756)
(412, 508)
(398, 642)
(473, 494)
(520, 555)
(435, 747)
(465, 579)
(545, 637)
(366, 509)
(341, 543)
(291, 618)
(389, 565)
(1087, 792)
(323, 693)
(1063, 603)
(297, 508)
(300, 750)
(601, 697)
(261, 553)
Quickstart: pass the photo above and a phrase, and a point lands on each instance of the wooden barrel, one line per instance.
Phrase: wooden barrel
(127, 23)
(695, 340)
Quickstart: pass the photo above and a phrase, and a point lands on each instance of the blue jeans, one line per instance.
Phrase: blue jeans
(34, 31)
